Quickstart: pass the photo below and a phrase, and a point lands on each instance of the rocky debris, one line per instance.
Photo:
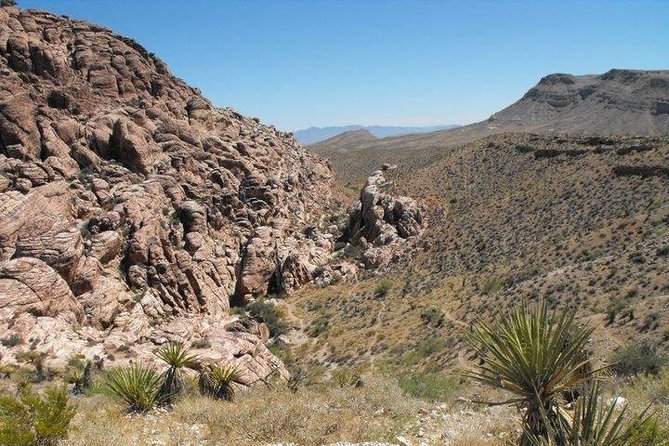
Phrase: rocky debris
(381, 223)
(131, 210)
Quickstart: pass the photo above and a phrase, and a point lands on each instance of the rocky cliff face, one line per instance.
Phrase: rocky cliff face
(131, 210)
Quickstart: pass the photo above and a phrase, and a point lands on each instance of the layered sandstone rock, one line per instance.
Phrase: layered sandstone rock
(381, 223)
(129, 204)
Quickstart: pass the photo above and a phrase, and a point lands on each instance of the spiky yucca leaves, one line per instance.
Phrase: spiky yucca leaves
(176, 356)
(218, 381)
(537, 355)
(137, 386)
(594, 424)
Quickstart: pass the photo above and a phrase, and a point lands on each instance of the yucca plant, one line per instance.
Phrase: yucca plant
(219, 381)
(538, 355)
(176, 356)
(80, 378)
(137, 386)
(594, 424)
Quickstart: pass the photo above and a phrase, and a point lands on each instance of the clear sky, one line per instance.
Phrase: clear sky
(306, 63)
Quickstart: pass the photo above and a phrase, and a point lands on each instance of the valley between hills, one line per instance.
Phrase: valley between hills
(314, 295)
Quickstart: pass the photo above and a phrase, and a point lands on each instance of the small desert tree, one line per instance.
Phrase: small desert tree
(4, 3)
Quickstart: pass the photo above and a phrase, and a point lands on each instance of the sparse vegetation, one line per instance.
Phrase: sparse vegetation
(269, 314)
(429, 386)
(383, 287)
(34, 419)
(635, 359)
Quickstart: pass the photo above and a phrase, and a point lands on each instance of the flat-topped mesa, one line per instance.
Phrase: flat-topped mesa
(140, 198)
(380, 222)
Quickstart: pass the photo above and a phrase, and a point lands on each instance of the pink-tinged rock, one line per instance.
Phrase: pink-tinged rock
(29, 285)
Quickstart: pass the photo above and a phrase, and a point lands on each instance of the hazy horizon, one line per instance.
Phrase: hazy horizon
(299, 64)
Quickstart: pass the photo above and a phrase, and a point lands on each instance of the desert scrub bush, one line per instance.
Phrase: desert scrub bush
(492, 285)
(429, 386)
(136, 386)
(319, 326)
(201, 343)
(31, 419)
(344, 377)
(270, 314)
(383, 287)
(176, 356)
(636, 359)
(432, 317)
(11, 341)
(538, 356)
(219, 382)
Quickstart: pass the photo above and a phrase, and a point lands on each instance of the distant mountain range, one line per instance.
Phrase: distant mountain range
(313, 135)
(618, 102)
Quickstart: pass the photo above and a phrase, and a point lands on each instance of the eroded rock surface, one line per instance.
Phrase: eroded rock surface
(382, 224)
(131, 210)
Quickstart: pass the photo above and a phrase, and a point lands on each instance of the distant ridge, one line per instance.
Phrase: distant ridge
(313, 135)
(615, 103)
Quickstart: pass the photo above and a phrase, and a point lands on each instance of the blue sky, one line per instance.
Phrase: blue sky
(309, 62)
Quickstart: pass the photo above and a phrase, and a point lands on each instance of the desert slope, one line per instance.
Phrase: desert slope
(618, 102)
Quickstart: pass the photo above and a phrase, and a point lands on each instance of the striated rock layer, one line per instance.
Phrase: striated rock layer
(132, 211)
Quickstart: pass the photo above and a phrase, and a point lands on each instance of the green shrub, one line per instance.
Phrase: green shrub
(31, 419)
(11, 340)
(347, 378)
(635, 359)
(270, 314)
(383, 287)
(319, 326)
(432, 317)
(428, 386)
(137, 386)
(219, 381)
(492, 285)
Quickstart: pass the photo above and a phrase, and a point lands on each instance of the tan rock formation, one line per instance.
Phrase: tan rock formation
(129, 204)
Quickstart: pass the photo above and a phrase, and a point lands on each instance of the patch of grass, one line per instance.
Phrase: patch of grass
(492, 285)
(432, 317)
(431, 387)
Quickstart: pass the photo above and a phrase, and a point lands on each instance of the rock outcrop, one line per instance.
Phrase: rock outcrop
(381, 223)
(132, 211)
